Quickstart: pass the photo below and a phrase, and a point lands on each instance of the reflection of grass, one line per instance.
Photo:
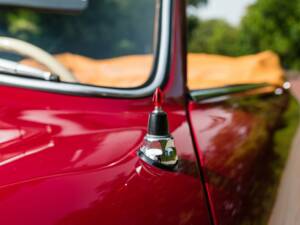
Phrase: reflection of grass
(266, 147)
(267, 184)
(272, 122)
(265, 114)
(283, 137)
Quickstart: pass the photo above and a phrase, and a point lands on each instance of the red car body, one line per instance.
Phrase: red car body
(71, 159)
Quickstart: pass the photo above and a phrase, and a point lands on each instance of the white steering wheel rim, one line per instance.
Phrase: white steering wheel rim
(26, 49)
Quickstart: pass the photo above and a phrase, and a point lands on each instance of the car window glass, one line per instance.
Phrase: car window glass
(111, 43)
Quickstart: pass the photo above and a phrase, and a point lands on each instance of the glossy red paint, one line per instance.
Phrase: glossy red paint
(234, 139)
(73, 160)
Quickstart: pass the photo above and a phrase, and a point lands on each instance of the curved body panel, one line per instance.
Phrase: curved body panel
(77, 163)
(73, 160)
(241, 154)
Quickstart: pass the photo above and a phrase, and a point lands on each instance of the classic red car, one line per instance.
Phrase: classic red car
(76, 147)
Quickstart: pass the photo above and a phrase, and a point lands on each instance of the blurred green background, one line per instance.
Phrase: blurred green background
(266, 25)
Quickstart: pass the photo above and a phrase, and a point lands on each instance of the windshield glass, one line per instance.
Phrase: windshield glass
(110, 43)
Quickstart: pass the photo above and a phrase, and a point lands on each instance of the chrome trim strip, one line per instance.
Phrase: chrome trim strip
(160, 71)
(204, 94)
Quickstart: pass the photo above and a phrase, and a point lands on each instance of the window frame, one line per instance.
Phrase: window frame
(157, 78)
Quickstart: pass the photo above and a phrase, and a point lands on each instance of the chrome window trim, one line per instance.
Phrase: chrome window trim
(205, 94)
(159, 75)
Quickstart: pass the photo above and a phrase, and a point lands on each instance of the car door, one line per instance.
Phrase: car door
(234, 128)
(69, 152)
